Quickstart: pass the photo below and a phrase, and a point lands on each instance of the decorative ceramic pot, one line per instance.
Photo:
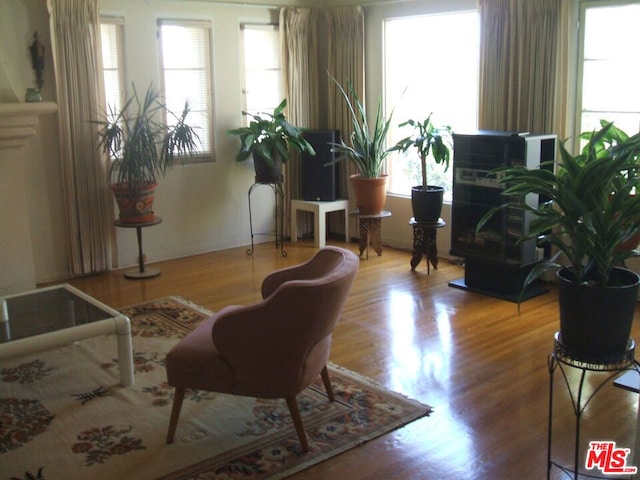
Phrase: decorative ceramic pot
(33, 95)
(135, 203)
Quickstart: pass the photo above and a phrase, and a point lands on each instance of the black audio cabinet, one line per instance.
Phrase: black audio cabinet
(320, 182)
(495, 260)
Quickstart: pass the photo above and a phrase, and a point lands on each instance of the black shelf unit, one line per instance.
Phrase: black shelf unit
(496, 262)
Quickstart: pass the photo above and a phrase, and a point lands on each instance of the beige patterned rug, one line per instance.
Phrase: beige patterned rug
(63, 414)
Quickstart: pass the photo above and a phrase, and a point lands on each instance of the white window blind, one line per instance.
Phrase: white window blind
(111, 36)
(186, 73)
(261, 51)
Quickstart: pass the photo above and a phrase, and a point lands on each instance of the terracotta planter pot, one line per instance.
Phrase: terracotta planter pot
(135, 203)
(370, 193)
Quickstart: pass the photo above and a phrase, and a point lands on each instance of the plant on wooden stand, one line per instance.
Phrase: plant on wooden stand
(143, 146)
(427, 140)
(367, 152)
(590, 211)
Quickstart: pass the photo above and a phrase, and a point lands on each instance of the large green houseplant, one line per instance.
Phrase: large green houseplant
(366, 151)
(427, 140)
(589, 211)
(268, 139)
(143, 140)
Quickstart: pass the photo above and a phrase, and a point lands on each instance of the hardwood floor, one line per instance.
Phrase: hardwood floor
(480, 364)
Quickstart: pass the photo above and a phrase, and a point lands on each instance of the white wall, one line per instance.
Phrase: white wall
(35, 169)
(203, 206)
(15, 22)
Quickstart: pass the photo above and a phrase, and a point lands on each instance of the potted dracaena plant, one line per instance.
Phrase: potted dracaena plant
(590, 213)
(367, 152)
(143, 140)
(427, 140)
(268, 139)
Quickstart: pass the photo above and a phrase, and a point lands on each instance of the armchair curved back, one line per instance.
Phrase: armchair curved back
(278, 346)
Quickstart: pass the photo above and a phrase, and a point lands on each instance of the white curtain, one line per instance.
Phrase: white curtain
(75, 32)
(519, 50)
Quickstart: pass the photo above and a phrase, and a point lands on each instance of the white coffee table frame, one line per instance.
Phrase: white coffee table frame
(319, 210)
(118, 324)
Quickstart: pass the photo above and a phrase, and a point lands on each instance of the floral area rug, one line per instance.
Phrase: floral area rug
(64, 415)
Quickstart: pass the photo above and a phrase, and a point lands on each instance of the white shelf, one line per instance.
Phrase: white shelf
(18, 121)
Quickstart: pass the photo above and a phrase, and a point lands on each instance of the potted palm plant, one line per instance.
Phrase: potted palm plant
(143, 146)
(590, 212)
(268, 139)
(367, 152)
(427, 139)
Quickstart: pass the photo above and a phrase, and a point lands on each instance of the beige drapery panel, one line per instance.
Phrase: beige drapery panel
(345, 62)
(315, 41)
(564, 108)
(295, 27)
(519, 59)
(75, 37)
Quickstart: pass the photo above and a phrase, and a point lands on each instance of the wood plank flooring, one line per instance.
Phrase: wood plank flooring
(475, 359)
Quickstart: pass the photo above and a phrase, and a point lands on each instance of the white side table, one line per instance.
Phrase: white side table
(319, 210)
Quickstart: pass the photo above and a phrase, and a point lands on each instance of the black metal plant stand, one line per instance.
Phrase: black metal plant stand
(561, 358)
(278, 191)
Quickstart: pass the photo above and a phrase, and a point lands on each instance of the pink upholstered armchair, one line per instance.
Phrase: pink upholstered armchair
(274, 348)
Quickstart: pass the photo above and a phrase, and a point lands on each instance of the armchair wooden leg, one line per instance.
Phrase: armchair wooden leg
(292, 403)
(178, 396)
(327, 383)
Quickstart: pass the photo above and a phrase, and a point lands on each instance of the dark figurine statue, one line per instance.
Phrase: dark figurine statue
(37, 59)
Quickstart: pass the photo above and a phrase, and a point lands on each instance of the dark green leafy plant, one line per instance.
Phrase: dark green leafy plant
(141, 145)
(427, 139)
(367, 151)
(592, 205)
(269, 135)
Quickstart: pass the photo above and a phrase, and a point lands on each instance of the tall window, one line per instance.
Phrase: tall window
(610, 67)
(433, 59)
(111, 33)
(262, 90)
(186, 73)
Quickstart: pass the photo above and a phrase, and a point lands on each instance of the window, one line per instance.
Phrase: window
(186, 73)
(111, 35)
(434, 60)
(262, 86)
(609, 66)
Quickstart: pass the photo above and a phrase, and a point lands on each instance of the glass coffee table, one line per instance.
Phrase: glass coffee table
(56, 316)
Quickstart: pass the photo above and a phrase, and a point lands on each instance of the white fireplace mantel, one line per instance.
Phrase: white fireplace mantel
(18, 121)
